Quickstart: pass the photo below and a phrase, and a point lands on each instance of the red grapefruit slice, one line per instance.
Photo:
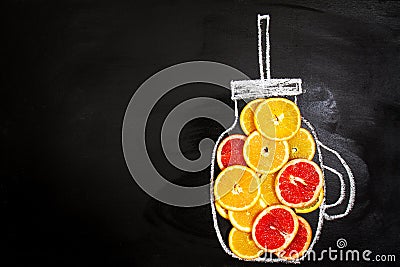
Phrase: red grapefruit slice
(299, 183)
(230, 151)
(300, 243)
(274, 228)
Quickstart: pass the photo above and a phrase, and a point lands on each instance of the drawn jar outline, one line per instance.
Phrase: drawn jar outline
(263, 88)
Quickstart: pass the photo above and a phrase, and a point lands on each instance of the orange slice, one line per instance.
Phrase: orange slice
(268, 189)
(243, 220)
(274, 228)
(243, 246)
(300, 243)
(277, 119)
(313, 206)
(302, 145)
(298, 183)
(264, 155)
(237, 188)
(247, 116)
(221, 211)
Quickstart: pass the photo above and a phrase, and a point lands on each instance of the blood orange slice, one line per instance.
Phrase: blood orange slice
(300, 243)
(299, 183)
(274, 228)
(230, 151)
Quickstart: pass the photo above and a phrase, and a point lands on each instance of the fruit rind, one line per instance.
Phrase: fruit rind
(221, 211)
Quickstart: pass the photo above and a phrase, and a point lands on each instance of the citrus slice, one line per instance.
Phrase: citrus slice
(237, 188)
(243, 220)
(264, 155)
(230, 151)
(274, 228)
(298, 183)
(247, 116)
(268, 189)
(221, 211)
(300, 243)
(302, 145)
(277, 118)
(243, 245)
(313, 206)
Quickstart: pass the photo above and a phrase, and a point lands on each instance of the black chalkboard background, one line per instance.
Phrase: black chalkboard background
(72, 67)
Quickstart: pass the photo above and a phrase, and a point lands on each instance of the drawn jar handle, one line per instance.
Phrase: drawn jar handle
(352, 193)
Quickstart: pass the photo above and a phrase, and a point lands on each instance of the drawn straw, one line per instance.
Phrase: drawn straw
(265, 86)
(267, 69)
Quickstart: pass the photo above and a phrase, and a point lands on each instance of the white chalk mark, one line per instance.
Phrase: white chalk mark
(267, 68)
(267, 53)
(342, 188)
(260, 57)
(251, 89)
(352, 196)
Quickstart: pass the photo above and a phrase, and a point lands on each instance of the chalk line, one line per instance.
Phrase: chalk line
(352, 194)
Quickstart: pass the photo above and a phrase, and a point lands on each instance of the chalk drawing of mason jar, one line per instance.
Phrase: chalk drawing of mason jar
(288, 88)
